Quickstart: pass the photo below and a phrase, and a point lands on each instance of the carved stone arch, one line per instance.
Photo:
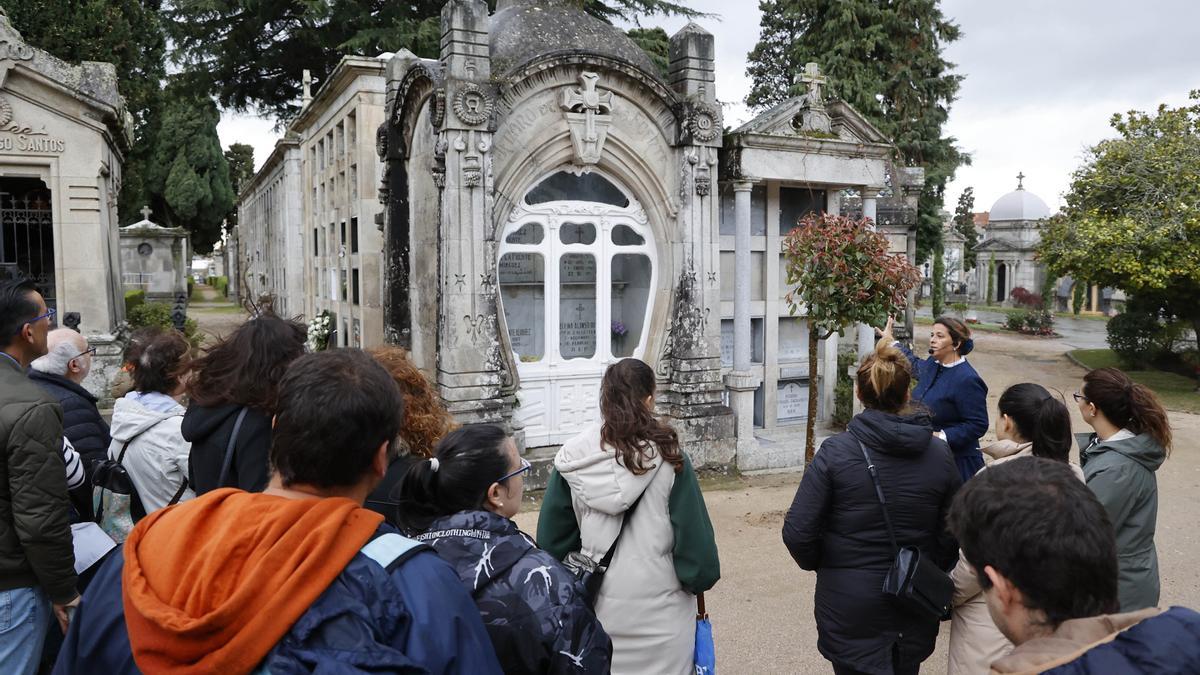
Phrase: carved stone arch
(422, 82)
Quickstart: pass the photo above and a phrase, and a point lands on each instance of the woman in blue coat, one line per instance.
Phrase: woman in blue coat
(951, 390)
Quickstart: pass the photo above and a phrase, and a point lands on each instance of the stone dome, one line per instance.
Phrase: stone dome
(523, 30)
(1020, 204)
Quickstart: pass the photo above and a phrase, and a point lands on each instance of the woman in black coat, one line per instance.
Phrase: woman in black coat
(836, 527)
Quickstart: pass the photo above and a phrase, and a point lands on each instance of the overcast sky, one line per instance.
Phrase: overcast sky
(1042, 80)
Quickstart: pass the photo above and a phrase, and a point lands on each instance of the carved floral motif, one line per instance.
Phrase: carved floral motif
(472, 105)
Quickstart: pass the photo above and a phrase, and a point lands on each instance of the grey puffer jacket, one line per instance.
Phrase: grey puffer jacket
(35, 534)
(1121, 474)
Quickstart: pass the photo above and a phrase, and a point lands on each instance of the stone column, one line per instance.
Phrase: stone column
(833, 201)
(866, 334)
(742, 382)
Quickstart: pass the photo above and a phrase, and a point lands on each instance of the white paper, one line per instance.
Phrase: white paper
(91, 543)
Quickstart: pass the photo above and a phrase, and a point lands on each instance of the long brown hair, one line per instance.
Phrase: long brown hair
(425, 418)
(630, 426)
(1127, 404)
(884, 378)
(245, 368)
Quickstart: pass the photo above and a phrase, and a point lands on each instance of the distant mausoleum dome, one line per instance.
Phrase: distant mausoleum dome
(1020, 204)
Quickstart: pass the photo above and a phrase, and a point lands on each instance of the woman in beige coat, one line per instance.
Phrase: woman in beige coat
(1031, 422)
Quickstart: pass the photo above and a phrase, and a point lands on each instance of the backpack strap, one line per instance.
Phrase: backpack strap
(390, 550)
(227, 462)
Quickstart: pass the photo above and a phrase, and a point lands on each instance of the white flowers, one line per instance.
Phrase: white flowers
(318, 332)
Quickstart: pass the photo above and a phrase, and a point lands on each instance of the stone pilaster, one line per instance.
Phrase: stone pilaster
(469, 361)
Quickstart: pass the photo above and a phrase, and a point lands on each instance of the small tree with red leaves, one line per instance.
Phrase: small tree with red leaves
(840, 272)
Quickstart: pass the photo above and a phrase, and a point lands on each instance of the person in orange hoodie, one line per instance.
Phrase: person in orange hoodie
(299, 578)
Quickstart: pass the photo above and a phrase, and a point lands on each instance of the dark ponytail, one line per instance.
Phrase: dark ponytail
(469, 460)
(630, 427)
(1040, 418)
(1127, 404)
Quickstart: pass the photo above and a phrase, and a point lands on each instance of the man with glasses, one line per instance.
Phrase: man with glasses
(37, 560)
(61, 373)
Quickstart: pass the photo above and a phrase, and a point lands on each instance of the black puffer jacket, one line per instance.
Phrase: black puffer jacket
(82, 423)
(836, 527)
(35, 537)
(209, 429)
(532, 606)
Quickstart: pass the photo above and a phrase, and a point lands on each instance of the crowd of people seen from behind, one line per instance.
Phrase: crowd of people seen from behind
(254, 508)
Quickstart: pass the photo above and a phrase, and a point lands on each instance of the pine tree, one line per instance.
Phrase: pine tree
(964, 224)
(240, 158)
(656, 43)
(885, 60)
(252, 55)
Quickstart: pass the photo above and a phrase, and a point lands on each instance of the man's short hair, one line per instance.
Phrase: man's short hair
(1037, 524)
(17, 307)
(335, 408)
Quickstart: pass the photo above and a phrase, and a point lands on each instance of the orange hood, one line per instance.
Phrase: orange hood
(212, 585)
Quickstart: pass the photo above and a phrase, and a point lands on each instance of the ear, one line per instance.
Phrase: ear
(495, 498)
(1008, 595)
(380, 463)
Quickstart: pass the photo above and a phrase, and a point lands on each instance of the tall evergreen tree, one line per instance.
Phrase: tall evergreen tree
(964, 223)
(656, 43)
(189, 170)
(240, 158)
(126, 33)
(884, 58)
(252, 55)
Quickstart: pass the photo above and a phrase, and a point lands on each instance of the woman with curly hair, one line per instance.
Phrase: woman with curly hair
(426, 422)
(667, 554)
(232, 398)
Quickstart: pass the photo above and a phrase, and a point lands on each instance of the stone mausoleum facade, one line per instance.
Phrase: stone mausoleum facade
(554, 203)
(64, 132)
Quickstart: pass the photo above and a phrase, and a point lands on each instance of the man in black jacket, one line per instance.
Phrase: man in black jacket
(37, 559)
(61, 372)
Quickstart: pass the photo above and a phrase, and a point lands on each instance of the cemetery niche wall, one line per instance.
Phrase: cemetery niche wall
(64, 131)
(549, 210)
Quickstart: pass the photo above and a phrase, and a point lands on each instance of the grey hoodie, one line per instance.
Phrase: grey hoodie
(1121, 474)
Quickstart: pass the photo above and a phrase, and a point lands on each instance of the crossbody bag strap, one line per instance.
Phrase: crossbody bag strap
(612, 550)
(887, 519)
(228, 459)
(179, 493)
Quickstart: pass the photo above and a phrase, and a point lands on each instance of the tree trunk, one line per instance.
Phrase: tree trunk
(1196, 329)
(810, 437)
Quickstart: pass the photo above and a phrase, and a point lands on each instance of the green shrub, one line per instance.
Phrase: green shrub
(191, 288)
(222, 285)
(1136, 338)
(133, 300)
(1016, 320)
(1077, 297)
(1031, 322)
(843, 391)
(158, 315)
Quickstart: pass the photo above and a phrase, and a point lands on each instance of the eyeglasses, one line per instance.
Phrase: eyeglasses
(50, 313)
(525, 466)
(89, 350)
(1079, 397)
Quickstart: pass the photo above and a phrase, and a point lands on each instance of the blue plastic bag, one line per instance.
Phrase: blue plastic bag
(706, 651)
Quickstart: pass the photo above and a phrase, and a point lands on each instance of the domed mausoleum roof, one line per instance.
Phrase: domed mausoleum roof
(1020, 204)
(522, 30)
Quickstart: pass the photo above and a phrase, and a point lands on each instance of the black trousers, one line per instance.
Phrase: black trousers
(898, 668)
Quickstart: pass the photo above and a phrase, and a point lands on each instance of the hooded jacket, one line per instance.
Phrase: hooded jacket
(35, 533)
(234, 581)
(667, 553)
(82, 423)
(836, 527)
(209, 429)
(534, 611)
(1163, 642)
(1121, 475)
(157, 456)
(975, 642)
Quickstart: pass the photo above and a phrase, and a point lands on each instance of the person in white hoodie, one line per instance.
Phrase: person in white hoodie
(1032, 423)
(148, 419)
(667, 552)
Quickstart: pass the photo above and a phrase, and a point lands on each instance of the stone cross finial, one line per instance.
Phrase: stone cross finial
(1021, 180)
(145, 212)
(813, 79)
(588, 112)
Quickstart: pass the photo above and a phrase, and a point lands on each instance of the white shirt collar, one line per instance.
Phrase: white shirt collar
(960, 360)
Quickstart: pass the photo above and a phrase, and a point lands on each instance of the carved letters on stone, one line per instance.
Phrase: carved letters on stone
(471, 104)
(589, 115)
(15, 51)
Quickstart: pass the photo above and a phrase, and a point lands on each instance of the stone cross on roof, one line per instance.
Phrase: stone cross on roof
(145, 212)
(813, 79)
(1021, 180)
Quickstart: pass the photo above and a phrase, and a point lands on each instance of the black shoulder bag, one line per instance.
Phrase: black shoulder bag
(227, 461)
(914, 582)
(591, 573)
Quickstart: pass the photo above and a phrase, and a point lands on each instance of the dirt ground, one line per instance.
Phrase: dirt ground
(762, 610)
